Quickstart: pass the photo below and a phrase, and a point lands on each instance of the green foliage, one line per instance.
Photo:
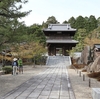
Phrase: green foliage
(98, 22)
(88, 23)
(35, 33)
(78, 48)
(39, 36)
(10, 27)
(79, 22)
(13, 31)
(50, 20)
(72, 22)
(80, 35)
(11, 8)
(7, 69)
(39, 59)
(93, 22)
(33, 28)
(65, 22)
(17, 33)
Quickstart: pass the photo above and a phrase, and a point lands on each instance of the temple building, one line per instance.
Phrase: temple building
(59, 39)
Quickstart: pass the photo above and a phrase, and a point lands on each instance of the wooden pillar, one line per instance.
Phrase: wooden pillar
(54, 50)
(49, 51)
(63, 50)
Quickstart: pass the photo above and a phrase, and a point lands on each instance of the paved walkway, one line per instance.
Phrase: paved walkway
(53, 83)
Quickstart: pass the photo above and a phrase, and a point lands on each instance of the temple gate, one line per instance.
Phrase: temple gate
(59, 38)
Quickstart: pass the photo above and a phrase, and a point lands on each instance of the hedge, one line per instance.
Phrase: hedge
(7, 69)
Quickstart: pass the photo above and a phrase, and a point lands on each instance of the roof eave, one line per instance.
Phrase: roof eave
(74, 42)
(59, 30)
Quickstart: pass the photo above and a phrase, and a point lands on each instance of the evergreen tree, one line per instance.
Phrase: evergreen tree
(98, 21)
(92, 22)
(65, 22)
(87, 24)
(80, 36)
(80, 22)
(39, 36)
(9, 24)
(72, 22)
(50, 20)
(36, 34)
(11, 8)
(33, 28)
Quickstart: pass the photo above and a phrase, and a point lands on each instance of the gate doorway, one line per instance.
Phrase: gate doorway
(59, 51)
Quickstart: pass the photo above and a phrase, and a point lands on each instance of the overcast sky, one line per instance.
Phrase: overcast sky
(61, 9)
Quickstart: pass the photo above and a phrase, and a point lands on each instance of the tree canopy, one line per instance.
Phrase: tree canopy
(14, 32)
(11, 8)
(50, 20)
(10, 27)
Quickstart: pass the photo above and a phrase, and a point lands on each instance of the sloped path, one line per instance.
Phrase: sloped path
(53, 83)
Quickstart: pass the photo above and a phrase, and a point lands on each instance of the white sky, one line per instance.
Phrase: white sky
(61, 9)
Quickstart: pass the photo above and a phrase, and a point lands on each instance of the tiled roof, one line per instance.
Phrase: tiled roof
(59, 27)
(97, 45)
(61, 41)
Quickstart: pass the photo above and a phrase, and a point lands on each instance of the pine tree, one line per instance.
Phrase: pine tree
(72, 21)
(92, 22)
(80, 22)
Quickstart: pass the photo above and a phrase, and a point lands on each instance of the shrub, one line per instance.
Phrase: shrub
(98, 79)
(79, 66)
(40, 60)
(7, 69)
(94, 74)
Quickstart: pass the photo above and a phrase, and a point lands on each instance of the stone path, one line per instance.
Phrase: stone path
(53, 83)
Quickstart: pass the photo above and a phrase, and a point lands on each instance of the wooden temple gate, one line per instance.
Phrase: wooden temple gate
(59, 38)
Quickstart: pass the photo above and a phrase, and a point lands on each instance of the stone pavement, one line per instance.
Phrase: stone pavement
(53, 83)
(9, 82)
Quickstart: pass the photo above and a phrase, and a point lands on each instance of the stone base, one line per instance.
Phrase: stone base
(96, 93)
